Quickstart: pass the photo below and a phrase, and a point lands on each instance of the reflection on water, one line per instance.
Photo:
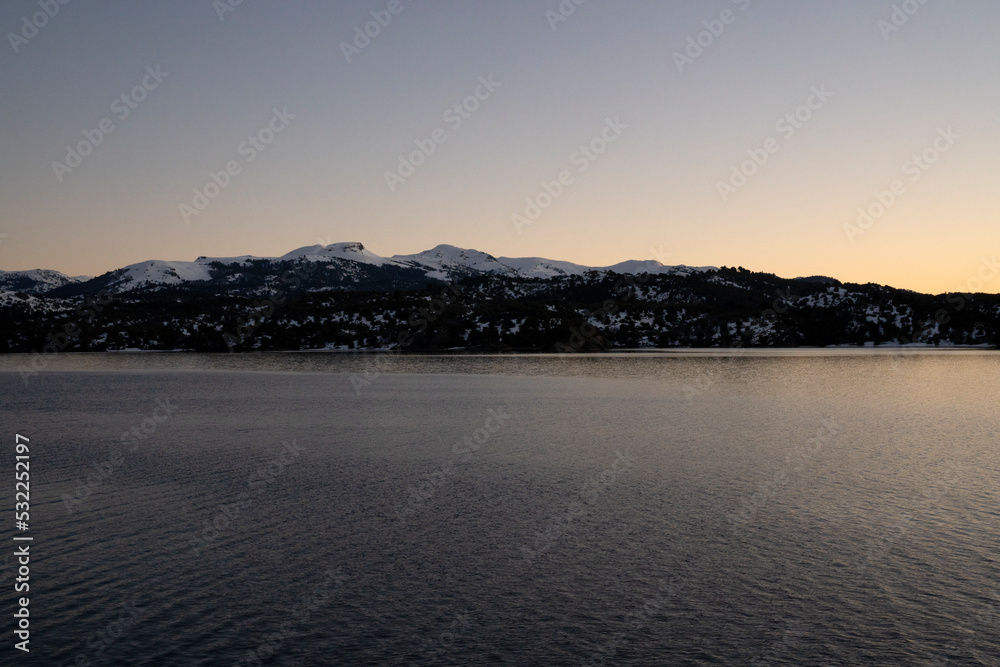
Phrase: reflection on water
(794, 507)
(633, 363)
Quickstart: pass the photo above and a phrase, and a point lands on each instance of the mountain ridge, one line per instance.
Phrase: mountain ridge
(444, 262)
(344, 297)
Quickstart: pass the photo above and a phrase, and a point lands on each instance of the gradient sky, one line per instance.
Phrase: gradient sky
(652, 194)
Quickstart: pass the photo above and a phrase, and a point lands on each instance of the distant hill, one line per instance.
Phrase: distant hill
(37, 281)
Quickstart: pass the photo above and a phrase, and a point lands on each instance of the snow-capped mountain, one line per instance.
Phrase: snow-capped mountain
(158, 272)
(446, 262)
(538, 267)
(36, 281)
(335, 304)
(348, 266)
(343, 296)
(353, 252)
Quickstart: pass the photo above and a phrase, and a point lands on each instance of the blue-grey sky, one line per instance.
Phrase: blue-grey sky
(664, 119)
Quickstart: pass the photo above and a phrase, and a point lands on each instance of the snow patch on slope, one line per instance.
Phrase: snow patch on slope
(539, 267)
(31, 302)
(354, 252)
(34, 281)
(446, 261)
(159, 272)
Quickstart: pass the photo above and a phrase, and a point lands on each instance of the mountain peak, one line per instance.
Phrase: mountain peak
(447, 262)
(346, 246)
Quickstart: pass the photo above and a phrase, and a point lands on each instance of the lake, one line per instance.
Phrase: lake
(823, 507)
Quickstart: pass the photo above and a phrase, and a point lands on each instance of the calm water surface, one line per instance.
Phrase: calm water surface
(807, 507)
